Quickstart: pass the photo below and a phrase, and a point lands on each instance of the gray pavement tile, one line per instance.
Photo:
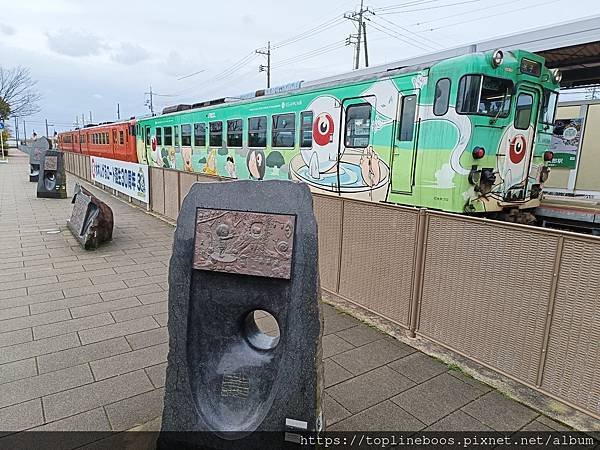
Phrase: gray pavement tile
(369, 389)
(156, 279)
(128, 362)
(16, 337)
(334, 373)
(360, 335)
(129, 292)
(157, 374)
(162, 319)
(37, 348)
(83, 354)
(372, 355)
(499, 412)
(17, 370)
(328, 310)
(65, 303)
(20, 417)
(332, 345)
(117, 329)
(436, 398)
(137, 410)
(538, 426)
(105, 306)
(95, 288)
(458, 421)
(148, 338)
(84, 398)
(483, 388)
(27, 283)
(385, 416)
(29, 388)
(154, 297)
(66, 285)
(140, 311)
(333, 411)
(418, 367)
(32, 321)
(13, 293)
(553, 424)
(94, 420)
(32, 299)
(338, 322)
(11, 313)
(144, 266)
(83, 274)
(69, 326)
(118, 277)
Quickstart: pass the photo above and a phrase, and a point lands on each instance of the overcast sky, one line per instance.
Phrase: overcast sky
(91, 55)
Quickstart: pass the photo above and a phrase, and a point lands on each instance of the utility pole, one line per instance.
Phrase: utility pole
(46, 120)
(267, 68)
(17, 130)
(118, 112)
(90, 117)
(82, 120)
(24, 133)
(77, 121)
(358, 17)
(150, 103)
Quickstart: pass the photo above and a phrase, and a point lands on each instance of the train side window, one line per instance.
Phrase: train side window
(283, 132)
(177, 138)
(147, 135)
(121, 137)
(442, 97)
(168, 136)
(358, 125)
(257, 132)
(216, 134)
(158, 136)
(234, 133)
(306, 124)
(199, 134)
(523, 112)
(186, 135)
(407, 118)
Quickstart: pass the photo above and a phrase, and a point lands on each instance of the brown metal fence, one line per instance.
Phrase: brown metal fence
(523, 301)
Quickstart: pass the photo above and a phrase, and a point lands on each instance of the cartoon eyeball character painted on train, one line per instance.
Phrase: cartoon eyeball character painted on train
(155, 152)
(514, 156)
(322, 156)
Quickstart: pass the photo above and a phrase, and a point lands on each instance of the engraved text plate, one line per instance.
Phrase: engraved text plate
(243, 242)
(79, 213)
(50, 162)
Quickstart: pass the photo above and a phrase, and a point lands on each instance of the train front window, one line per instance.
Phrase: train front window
(549, 107)
(483, 95)
(523, 112)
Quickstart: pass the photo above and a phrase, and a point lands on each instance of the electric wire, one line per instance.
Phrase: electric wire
(396, 35)
(429, 8)
(471, 11)
(412, 34)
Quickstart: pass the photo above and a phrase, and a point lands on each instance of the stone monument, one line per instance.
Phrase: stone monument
(243, 247)
(36, 152)
(52, 181)
(91, 221)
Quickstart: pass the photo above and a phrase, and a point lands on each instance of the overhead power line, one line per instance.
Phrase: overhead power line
(428, 8)
(327, 25)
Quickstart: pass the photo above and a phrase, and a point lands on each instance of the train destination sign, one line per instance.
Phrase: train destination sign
(128, 178)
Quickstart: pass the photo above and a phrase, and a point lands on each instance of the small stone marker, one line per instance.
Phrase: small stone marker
(243, 249)
(36, 152)
(91, 221)
(52, 180)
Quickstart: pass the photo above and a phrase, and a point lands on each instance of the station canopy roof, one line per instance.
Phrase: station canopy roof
(573, 47)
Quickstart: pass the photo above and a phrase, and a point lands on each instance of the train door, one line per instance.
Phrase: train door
(358, 167)
(404, 143)
(177, 146)
(518, 144)
(147, 143)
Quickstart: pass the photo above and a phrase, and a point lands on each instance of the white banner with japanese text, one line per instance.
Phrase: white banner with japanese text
(129, 178)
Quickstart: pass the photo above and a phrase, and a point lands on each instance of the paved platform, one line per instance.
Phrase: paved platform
(83, 337)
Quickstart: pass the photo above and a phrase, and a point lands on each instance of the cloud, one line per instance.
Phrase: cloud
(97, 96)
(74, 43)
(130, 54)
(176, 65)
(7, 29)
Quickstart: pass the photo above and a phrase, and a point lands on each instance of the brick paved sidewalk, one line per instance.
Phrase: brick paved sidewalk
(83, 338)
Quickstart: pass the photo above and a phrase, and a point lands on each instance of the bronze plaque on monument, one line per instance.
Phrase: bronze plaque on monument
(243, 242)
(50, 163)
(79, 213)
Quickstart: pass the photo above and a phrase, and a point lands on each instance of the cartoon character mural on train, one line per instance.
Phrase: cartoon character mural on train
(463, 134)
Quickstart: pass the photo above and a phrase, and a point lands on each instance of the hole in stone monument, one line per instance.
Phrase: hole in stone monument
(261, 329)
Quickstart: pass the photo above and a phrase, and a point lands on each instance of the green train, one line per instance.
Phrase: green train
(469, 134)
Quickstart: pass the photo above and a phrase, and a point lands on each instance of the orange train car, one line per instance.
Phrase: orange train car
(115, 140)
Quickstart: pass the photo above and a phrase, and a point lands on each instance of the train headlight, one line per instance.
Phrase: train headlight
(497, 58)
(557, 75)
(478, 152)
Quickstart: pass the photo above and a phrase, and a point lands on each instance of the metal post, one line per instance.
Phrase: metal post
(46, 120)
(24, 133)
(90, 117)
(17, 131)
(364, 25)
(118, 112)
(3, 160)
(359, 35)
(268, 64)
